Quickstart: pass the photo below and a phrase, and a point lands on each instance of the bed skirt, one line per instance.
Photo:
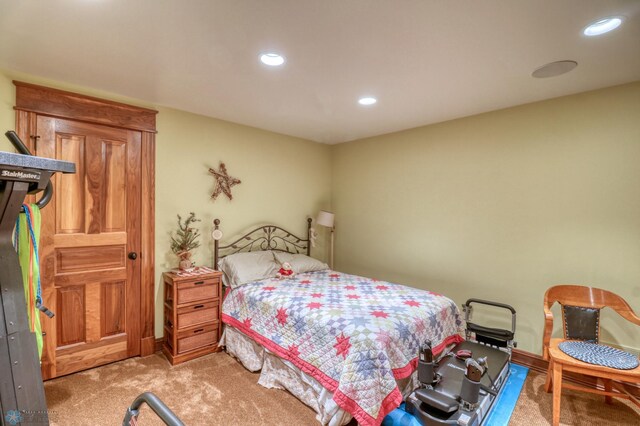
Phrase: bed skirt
(281, 374)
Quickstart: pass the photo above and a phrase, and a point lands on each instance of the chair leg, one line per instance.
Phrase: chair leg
(608, 387)
(549, 380)
(557, 392)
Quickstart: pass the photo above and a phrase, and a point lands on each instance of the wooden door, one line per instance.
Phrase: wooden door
(89, 246)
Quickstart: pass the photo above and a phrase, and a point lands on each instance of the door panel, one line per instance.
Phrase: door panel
(114, 188)
(113, 308)
(94, 257)
(70, 315)
(89, 228)
(70, 207)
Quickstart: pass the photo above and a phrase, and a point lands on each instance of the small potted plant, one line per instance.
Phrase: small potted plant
(185, 241)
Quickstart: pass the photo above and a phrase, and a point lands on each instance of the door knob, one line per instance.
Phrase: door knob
(133, 255)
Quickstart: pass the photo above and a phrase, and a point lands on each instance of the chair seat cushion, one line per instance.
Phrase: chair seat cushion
(599, 355)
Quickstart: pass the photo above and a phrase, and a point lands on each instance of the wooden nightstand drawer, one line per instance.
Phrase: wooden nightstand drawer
(191, 313)
(198, 338)
(194, 291)
(201, 313)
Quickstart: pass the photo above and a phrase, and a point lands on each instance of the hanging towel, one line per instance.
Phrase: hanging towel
(26, 240)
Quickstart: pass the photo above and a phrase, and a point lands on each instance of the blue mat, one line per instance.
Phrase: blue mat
(499, 414)
(506, 402)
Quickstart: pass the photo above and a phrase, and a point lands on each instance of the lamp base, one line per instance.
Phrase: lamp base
(331, 250)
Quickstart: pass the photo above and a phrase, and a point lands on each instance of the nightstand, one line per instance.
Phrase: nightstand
(192, 302)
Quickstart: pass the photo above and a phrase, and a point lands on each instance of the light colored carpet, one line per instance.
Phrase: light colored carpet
(212, 390)
(577, 408)
(217, 390)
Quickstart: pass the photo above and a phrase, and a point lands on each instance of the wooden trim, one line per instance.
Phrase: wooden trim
(134, 236)
(25, 123)
(536, 363)
(25, 127)
(62, 104)
(33, 100)
(147, 285)
(158, 346)
(147, 346)
(530, 360)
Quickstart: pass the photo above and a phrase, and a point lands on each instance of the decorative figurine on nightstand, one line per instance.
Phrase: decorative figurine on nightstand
(185, 241)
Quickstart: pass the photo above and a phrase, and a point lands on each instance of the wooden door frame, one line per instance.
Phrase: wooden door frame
(33, 100)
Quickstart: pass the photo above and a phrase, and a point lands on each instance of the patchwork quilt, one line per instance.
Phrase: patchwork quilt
(354, 335)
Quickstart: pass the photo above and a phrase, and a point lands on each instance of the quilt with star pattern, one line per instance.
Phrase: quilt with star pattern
(354, 335)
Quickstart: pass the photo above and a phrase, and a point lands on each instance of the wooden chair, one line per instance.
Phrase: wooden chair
(586, 302)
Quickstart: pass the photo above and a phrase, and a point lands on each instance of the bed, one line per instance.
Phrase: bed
(343, 344)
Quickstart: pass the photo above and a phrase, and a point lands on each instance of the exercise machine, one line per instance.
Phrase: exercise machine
(462, 386)
(22, 399)
(166, 415)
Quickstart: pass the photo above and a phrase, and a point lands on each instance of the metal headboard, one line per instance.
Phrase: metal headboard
(266, 237)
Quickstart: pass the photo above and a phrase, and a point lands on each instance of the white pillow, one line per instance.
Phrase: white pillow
(300, 263)
(242, 268)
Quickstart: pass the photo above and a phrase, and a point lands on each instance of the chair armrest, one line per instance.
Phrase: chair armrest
(632, 317)
(621, 306)
(548, 328)
(627, 313)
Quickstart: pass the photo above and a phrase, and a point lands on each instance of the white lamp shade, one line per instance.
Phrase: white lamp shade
(325, 219)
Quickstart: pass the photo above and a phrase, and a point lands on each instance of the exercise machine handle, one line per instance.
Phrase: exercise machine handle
(490, 303)
(22, 149)
(467, 309)
(166, 415)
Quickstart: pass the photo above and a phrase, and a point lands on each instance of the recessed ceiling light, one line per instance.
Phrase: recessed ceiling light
(602, 26)
(553, 69)
(272, 59)
(367, 100)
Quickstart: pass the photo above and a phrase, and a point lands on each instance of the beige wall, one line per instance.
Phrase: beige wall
(501, 205)
(7, 116)
(284, 179)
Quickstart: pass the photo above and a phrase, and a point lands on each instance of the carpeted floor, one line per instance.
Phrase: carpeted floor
(577, 408)
(212, 390)
(217, 390)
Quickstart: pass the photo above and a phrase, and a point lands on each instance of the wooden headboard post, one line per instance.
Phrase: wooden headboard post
(309, 220)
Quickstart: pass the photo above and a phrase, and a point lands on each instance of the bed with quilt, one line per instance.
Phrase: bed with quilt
(343, 344)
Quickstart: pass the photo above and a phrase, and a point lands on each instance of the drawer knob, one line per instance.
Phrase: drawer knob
(132, 255)
(198, 306)
(198, 331)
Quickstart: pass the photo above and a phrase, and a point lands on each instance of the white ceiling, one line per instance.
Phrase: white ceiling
(425, 60)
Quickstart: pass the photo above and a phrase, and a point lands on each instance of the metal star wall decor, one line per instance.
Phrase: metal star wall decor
(224, 182)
